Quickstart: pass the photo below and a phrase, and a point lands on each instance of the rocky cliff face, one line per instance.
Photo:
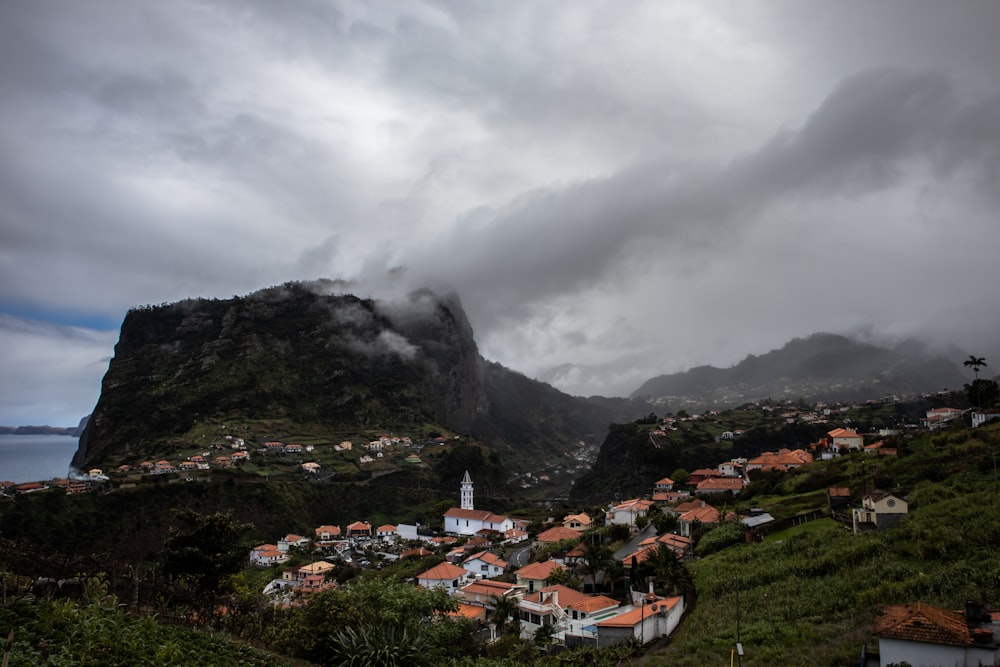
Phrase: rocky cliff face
(302, 353)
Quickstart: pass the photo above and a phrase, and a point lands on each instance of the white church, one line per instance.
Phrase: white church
(466, 520)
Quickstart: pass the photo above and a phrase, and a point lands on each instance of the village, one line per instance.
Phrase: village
(580, 579)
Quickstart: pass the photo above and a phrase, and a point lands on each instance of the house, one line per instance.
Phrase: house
(386, 533)
(578, 522)
(320, 568)
(570, 611)
(696, 517)
(732, 468)
(628, 512)
(555, 535)
(701, 474)
(534, 576)
(837, 496)
(879, 509)
(471, 612)
(359, 530)
(981, 417)
(939, 417)
(845, 439)
(665, 484)
(326, 534)
(343, 446)
(291, 540)
(783, 459)
(926, 636)
(444, 575)
(649, 618)
(311, 467)
(484, 591)
(685, 506)
(484, 565)
(458, 521)
(670, 497)
(293, 449)
(266, 555)
(713, 485)
(678, 544)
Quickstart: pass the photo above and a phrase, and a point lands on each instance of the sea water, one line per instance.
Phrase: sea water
(35, 458)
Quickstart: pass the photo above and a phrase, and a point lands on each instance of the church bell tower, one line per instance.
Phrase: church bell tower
(467, 492)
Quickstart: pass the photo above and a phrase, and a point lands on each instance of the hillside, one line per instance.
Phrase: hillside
(821, 367)
(301, 360)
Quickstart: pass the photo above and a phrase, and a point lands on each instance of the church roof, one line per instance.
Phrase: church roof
(475, 515)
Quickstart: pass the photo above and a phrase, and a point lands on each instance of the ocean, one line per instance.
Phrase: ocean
(35, 458)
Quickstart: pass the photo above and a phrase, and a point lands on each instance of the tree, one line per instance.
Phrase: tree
(504, 607)
(203, 553)
(975, 363)
(680, 476)
(983, 393)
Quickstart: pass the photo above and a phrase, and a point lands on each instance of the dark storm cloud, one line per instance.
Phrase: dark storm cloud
(861, 139)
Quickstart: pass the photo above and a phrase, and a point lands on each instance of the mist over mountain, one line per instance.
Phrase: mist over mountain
(823, 366)
(308, 354)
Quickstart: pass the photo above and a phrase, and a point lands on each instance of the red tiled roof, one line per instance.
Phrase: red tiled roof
(921, 622)
(489, 587)
(475, 515)
(631, 618)
(442, 572)
(558, 534)
(537, 570)
(469, 611)
(721, 484)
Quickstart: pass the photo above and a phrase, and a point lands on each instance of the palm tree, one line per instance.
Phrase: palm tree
(975, 363)
(504, 606)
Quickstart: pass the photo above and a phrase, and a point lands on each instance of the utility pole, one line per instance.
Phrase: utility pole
(739, 643)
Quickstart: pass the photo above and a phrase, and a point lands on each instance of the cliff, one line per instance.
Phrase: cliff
(304, 354)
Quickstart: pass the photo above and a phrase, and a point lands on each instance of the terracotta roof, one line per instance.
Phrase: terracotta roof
(631, 618)
(558, 534)
(633, 505)
(443, 571)
(489, 587)
(721, 484)
(537, 570)
(921, 622)
(359, 526)
(666, 481)
(475, 515)
(490, 558)
(690, 505)
(839, 492)
(706, 514)
(470, 611)
(842, 433)
(570, 598)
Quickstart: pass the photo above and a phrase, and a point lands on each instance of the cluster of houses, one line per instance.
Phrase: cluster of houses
(471, 574)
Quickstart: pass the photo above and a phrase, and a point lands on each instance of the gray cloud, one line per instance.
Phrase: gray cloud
(614, 193)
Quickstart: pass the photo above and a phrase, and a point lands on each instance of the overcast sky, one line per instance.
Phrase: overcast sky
(614, 189)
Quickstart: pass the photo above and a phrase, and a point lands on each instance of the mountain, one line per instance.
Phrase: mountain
(821, 367)
(329, 363)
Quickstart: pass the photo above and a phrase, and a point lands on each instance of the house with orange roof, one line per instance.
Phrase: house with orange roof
(701, 474)
(567, 609)
(714, 485)
(471, 612)
(665, 484)
(554, 536)
(291, 541)
(326, 534)
(845, 439)
(628, 512)
(458, 521)
(266, 555)
(923, 635)
(359, 530)
(444, 575)
(484, 565)
(669, 497)
(686, 506)
(578, 522)
(647, 619)
(681, 546)
(320, 567)
(783, 460)
(484, 591)
(386, 533)
(534, 576)
(707, 514)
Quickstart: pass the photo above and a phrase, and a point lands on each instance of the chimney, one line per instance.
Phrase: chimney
(555, 598)
(651, 587)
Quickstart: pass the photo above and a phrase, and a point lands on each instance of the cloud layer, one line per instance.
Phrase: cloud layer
(614, 193)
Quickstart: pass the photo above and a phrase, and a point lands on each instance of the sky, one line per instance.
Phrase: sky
(615, 190)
